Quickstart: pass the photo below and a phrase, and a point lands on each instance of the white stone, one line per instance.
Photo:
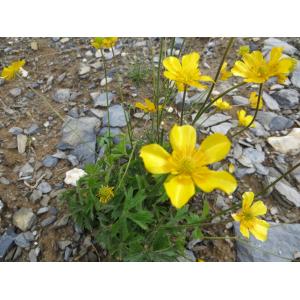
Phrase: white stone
(72, 176)
(286, 144)
(21, 141)
(103, 81)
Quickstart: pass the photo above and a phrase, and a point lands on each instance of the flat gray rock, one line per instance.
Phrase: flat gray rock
(62, 95)
(80, 135)
(208, 121)
(287, 98)
(296, 76)
(280, 123)
(116, 115)
(270, 102)
(272, 42)
(6, 242)
(24, 218)
(282, 243)
(100, 99)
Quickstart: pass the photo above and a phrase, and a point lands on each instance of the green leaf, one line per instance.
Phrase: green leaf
(205, 211)
(161, 241)
(197, 234)
(141, 218)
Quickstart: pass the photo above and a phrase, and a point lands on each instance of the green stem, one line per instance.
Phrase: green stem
(215, 81)
(255, 114)
(183, 102)
(172, 45)
(106, 93)
(157, 88)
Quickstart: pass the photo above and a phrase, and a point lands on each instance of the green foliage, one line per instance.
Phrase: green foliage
(138, 224)
(138, 73)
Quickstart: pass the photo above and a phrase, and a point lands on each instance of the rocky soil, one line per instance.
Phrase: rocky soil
(41, 140)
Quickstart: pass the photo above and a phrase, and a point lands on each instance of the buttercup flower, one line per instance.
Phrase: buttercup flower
(149, 106)
(105, 194)
(222, 105)
(253, 101)
(247, 217)
(280, 66)
(244, 120)
(224, 73)
(187, 165)
(10, 72)
(103, 42)
(231, 168)
(254, 68)
(186, 73)
(243, 50)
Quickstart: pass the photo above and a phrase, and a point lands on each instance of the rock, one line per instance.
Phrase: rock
(114, 131)
(251, 157)
(15, 130)
(6, 242)
(270, 102)
(73, 160)
(42, 210)
(97, 113)
(100, 99)
(222, 128)
(44, 187)
(61, 222)
(80, 134)
(259, 130)
(208, 121)
(280, 123)
(33, 254)
(34, 46)
(240, 100)
(141, 115)
(116, 115)
(283, 241)
(26, 170)
(97, 65)
(274, 210)
(187, 257)
(74, 113)
(105, 81)
(49, 161)
(4, 181)
(287, 98)
(48, 221)
(272, 42)
(260, 169)
(35, 196)
(22, 142)
(63, 244)
(1, 205)
(265, 117)
(287, 193)
(296, 76)
(23, 239)
(62, 95)
(296, 172)
(67, 254)
(72, 176)
(241, 172)
(178, 43)
(84, 70)
(59, 154)
(286, 144)
(24, 218)
(15, 92)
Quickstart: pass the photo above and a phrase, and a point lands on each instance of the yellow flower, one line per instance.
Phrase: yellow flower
(280, 66)
(200, 260)
(103, 42)
(11, 71)
(187, 165)
(244, 120)
(254, 68)
(222, 105)
(253, 101)
(149, 106)
(224, 73)
(247, 217)
(231, 168)
(186, 73)
(105, 193)
(243, 50)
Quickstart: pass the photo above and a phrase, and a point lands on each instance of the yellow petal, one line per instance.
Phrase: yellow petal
(205, 78)
(258, 209)
(208, 180)
(260, 229)
(179, 189)
(183, 138)
(236, 217)
(244, 230)
(172, 64)
(215, 147)
(248, 198)
(156, 159)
